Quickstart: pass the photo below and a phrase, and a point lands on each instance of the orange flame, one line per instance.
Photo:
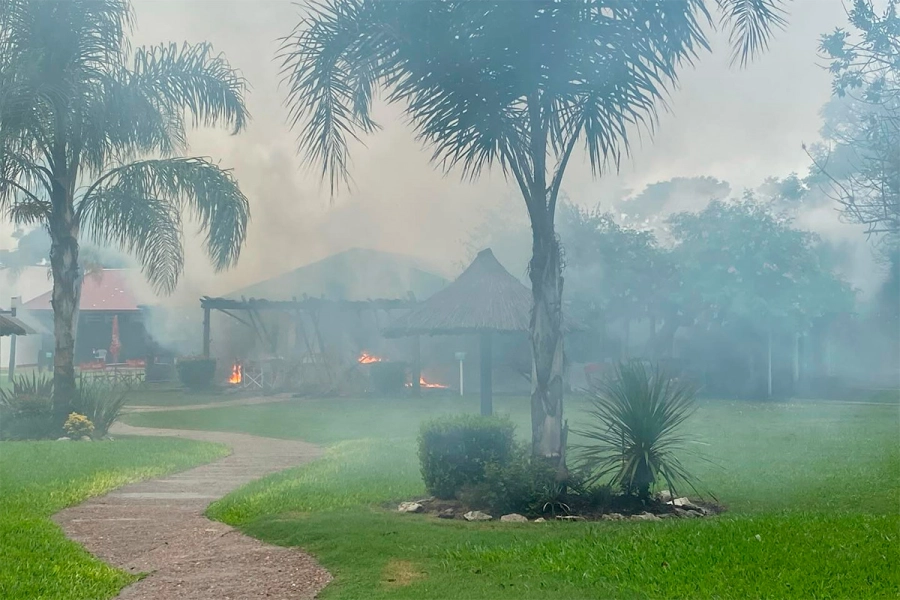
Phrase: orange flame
(366, 359)
(236, 374)
(428, 384)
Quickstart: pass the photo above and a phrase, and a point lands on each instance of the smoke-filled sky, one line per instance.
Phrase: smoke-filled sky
(738, 125)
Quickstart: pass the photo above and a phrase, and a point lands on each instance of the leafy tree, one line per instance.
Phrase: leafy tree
(511, 84)
(866, 135)
(90, 135)
(740, 262)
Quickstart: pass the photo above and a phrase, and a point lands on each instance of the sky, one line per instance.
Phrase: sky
(738, 125)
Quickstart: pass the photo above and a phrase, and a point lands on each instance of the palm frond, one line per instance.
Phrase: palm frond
(139, 207)
(193, 78)
(750, 24)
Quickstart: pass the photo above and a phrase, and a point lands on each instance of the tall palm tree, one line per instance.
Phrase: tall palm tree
(516, 84)
(91, 138)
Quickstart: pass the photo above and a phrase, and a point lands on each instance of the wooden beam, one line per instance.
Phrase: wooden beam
(487, 372)
(206, 332)
(417, 367)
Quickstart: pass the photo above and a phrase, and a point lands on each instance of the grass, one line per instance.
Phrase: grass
(169, 394)
(818, 483)
(38, 479)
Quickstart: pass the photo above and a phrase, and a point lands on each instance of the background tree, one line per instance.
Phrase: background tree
(89, 134)
(862, 166)
(512, 84)
(742, 265)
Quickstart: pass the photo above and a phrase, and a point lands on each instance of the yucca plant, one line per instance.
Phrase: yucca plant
(635, 431)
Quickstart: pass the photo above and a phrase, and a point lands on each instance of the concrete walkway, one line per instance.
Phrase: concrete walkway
(157, 527)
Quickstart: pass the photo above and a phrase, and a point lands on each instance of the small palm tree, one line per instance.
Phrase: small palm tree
(509, 84)
(90, 141)
(635, 429)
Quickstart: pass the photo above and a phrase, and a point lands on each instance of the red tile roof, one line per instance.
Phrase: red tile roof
(106, 290)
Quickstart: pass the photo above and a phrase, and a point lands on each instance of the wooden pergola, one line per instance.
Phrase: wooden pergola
(249, 312)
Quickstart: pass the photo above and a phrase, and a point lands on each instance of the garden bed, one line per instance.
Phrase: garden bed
(619, 508)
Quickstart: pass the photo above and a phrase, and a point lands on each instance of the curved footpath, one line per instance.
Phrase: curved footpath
(158, 527)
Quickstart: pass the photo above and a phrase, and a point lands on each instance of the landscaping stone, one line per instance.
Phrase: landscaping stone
(513, 518)
(570, 518)
(664, 496)
(688, 514)
(410, 507)
(85, 438)
(540, 520)
(63, 439)
(447, 513)
(612, 517)
(681, 502)
(645, 516)
(477, 515)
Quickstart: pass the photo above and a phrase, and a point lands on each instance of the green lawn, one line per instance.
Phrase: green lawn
(38, 479)
(818, 483)
(169, 394)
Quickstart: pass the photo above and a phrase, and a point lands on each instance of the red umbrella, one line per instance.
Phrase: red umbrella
(115, 345)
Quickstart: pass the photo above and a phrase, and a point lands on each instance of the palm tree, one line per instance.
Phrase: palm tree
(91, 136)
(514, 84)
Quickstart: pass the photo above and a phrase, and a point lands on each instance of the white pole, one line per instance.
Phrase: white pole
(460, 356)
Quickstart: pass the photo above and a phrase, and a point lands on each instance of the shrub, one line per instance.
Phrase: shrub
(78, 426)
(26, 411)
(387, 378)
(102, 403)
(454, 451)
(634, 434)
(196, 372)
(519, 485)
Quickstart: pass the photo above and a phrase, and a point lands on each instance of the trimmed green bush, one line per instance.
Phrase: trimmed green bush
(196, 372)
(454, 451)
(101, 402)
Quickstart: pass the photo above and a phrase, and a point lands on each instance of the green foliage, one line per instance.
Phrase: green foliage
(635, 431)
(100, 402)
(387, 377)
(518, 484)
(196, 372)
(26, 409)
(454, 451)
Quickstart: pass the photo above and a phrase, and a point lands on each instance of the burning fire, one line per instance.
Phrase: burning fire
(236, 375)
(427, 384)
(366, 359)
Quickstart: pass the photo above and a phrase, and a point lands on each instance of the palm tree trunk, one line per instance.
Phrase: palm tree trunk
(65, 296)
(548, 438)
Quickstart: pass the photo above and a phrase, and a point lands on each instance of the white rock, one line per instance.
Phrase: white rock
(63, 439)
(513, 518)
(477, 515)
(540, 520)
(645, 517)
(664, 496)
(681, 502)
(612, 517)
(410, 507)
(85, 438)
(570, 518)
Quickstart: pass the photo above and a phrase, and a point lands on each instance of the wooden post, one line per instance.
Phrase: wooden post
(14, 303)
(796, 360)
(769, 360)
(206, 332)
(487, 372)
(417, 367)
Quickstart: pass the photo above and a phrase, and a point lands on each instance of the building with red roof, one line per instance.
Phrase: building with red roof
(105, 294)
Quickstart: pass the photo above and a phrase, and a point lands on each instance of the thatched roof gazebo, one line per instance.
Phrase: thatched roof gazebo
(486, 299)
(10, 325)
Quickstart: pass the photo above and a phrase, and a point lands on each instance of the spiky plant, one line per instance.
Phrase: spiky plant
(635, 430)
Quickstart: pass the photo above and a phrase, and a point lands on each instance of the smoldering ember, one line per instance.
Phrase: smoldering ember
(460, 300)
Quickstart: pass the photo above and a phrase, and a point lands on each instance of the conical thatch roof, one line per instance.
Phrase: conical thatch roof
(486, 297)
(10, 325)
